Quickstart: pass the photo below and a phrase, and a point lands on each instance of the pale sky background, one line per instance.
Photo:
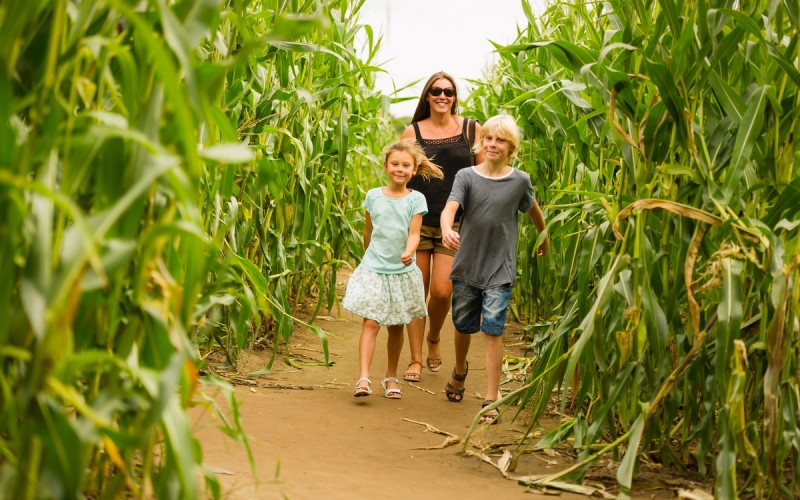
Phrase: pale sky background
(421, 37)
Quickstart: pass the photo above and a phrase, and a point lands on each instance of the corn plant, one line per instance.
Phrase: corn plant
(289, 219)
(661, 139)
(165, 167)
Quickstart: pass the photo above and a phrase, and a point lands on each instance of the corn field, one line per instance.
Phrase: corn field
(178, 177)
(662, 139)
(174, 178)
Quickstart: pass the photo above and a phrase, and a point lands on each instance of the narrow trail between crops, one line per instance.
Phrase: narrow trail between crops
(312, 439)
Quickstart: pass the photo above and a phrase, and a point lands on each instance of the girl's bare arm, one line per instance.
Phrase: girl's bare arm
(413, 240)
(367, 230)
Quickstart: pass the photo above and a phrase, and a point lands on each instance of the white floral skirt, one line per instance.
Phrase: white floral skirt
(389, 299)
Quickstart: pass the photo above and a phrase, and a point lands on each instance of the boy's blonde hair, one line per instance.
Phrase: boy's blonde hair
(425, 168)
(502, 126)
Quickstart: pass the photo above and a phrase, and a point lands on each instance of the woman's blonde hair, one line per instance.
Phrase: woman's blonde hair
(425, 168)
(502, 126)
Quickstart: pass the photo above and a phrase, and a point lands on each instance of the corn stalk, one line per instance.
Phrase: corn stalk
(647, 124)
(166, 169)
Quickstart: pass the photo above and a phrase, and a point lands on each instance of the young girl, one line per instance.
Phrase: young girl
(386, 288)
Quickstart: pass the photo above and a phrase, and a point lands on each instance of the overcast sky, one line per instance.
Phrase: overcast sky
(421, 37)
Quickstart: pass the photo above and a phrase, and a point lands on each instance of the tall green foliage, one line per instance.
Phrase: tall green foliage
(661, 136)
(167, 169)
(289, 219)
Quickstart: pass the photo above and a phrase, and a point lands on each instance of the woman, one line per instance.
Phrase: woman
(448, 140)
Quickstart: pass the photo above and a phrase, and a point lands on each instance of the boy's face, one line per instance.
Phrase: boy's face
(496, 148)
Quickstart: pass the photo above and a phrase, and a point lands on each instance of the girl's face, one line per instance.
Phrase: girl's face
(400, 167)
(441, 103)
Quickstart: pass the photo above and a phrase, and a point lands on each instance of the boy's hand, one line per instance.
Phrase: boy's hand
(405, 258)
(544, 246)
(451, 239)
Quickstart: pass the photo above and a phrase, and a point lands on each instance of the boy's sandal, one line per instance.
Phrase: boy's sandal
(488, 417)
(410, 376)
(434, 364)
(391, 393)
(453, 394)
(360, 390)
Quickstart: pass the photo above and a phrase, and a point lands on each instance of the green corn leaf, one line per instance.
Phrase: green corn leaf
(668, 91)
(7, 138)
(228, 153)
(115, 254)
(342, 138)
(793, 9)
(599, 415)
(295, 26)
(786, 206)
(627, 466)
(669, 8)
(323, 337)
(177, 430)
(746, 137)
(787, 66)
(62, 468)
(725, 486)
(570, 55)
(742, 20)
(729, 314)
(602, 294)
(730, 101)
(38, 276)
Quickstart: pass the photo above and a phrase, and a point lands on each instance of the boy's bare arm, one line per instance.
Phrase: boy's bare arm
(450, 238)
(413, 240)
(537, 218)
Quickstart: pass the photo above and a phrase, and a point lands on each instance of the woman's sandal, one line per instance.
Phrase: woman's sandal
(410, 376)
(360, 390)
(434, 364)
(490, 418)
(391, 393)
(451, 392)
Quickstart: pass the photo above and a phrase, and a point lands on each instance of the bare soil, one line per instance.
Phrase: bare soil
(312, 439)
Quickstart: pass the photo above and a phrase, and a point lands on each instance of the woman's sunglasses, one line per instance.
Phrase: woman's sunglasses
(436, 91)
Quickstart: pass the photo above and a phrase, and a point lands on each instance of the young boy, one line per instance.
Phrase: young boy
(484, 268)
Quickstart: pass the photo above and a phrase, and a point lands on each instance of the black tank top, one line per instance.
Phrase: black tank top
(452, 154)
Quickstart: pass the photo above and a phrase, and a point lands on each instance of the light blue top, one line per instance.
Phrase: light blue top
(391, 221)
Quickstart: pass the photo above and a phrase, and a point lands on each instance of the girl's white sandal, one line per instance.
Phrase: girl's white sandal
(361, 391)
(391, 393)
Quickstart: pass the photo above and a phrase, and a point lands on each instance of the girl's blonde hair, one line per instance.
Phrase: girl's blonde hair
(502, 126)
(425, 168)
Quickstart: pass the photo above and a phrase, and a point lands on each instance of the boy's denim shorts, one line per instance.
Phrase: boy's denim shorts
(471, 303)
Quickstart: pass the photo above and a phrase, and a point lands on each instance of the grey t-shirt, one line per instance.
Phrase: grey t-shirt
(487, 254)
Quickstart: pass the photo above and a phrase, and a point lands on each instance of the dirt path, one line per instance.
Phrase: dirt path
(312, 439)
(320, 442)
